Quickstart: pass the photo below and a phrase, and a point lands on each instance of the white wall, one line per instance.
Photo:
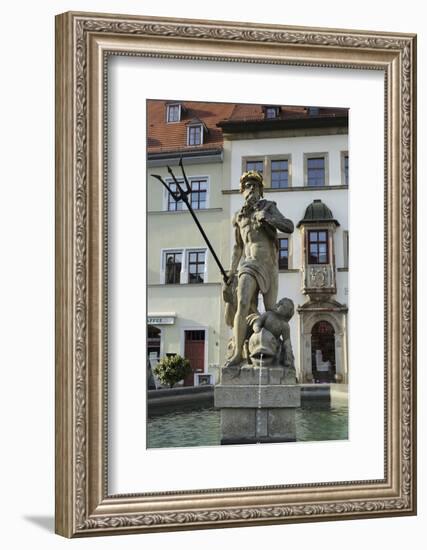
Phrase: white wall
(27, 319)
(295, 147)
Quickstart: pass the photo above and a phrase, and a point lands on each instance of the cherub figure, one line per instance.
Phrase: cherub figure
(276, 321)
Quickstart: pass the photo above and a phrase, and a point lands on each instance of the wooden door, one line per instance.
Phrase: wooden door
(194, 351)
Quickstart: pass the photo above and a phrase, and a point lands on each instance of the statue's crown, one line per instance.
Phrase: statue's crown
(251, 175)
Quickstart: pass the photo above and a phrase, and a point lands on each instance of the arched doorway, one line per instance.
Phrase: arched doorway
(323, 361)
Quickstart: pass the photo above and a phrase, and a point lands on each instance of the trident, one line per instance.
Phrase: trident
(182, 195)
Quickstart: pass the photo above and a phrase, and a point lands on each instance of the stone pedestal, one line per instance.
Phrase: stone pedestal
(257, 404)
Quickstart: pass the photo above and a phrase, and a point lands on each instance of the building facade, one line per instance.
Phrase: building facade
(184, 284)
(302, 153)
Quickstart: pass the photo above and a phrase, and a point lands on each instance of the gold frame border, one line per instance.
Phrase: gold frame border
(83, 42)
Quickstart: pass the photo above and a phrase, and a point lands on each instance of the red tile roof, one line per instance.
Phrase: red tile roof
(172, 136)
(164, 137)
(256, 112)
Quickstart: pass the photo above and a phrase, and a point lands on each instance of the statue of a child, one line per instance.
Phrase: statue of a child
(276, 321)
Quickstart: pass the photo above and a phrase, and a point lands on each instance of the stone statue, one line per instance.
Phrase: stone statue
(275, 323)
(254, 264)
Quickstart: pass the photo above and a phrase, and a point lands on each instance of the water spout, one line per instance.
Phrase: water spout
(259, 396)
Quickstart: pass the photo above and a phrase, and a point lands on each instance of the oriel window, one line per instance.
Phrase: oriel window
(318, 247)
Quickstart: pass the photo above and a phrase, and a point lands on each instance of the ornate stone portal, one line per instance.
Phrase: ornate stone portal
(322, 319)
(258, 392)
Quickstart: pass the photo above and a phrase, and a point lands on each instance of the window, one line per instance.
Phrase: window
(199, 189)
(173, 264)
(196, 267)
(271, 112)
(345, 248)
(257, 165)
(183, 265)
(195, 135)
(316, 171)
(283, 253)
(318, 247)
(195, 335)
(279, 174)
(198, 196)
(276, 169)
(313, 111)
(345, 168)
(173, 113)
(174, 205)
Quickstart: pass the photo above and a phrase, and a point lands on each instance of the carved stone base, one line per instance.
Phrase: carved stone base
(257, 404)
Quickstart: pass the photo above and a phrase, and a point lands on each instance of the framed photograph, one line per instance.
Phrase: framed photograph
(235, 274)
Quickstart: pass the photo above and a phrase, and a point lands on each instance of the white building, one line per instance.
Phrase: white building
(303, 155)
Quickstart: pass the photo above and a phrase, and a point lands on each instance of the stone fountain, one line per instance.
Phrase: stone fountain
(257, 393)
(258, 398)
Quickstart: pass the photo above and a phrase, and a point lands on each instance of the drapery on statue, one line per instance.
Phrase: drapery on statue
(254, 263)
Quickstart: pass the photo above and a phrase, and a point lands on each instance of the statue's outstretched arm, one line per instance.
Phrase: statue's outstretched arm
(275, 218)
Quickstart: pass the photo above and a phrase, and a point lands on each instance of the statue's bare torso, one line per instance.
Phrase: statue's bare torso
(257, 243)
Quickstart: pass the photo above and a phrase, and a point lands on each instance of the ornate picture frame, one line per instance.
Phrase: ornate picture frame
(84, 42)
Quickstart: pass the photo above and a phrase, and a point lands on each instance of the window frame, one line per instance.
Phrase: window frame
(204, 273)
(279, 238)
(345, 180)
(168, 109)
(194, 180)
(164, 264)
(278, 158)
(167, 198)
(256, 158)
(271, 108)
(191, 127)
(346, 248)
(326, 242)
(184, 274)
(307, 157)
(267, 167)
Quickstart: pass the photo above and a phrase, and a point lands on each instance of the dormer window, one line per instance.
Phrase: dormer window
(271, 112)
(195, 134)
(173, 112)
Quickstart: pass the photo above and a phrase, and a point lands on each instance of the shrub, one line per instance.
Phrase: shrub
(170, 370)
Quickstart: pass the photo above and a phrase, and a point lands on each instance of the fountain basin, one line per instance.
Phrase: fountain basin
(246, 396)
(253, 375)
(257, 404)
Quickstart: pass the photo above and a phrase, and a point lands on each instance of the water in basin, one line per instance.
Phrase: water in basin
(201, 427)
